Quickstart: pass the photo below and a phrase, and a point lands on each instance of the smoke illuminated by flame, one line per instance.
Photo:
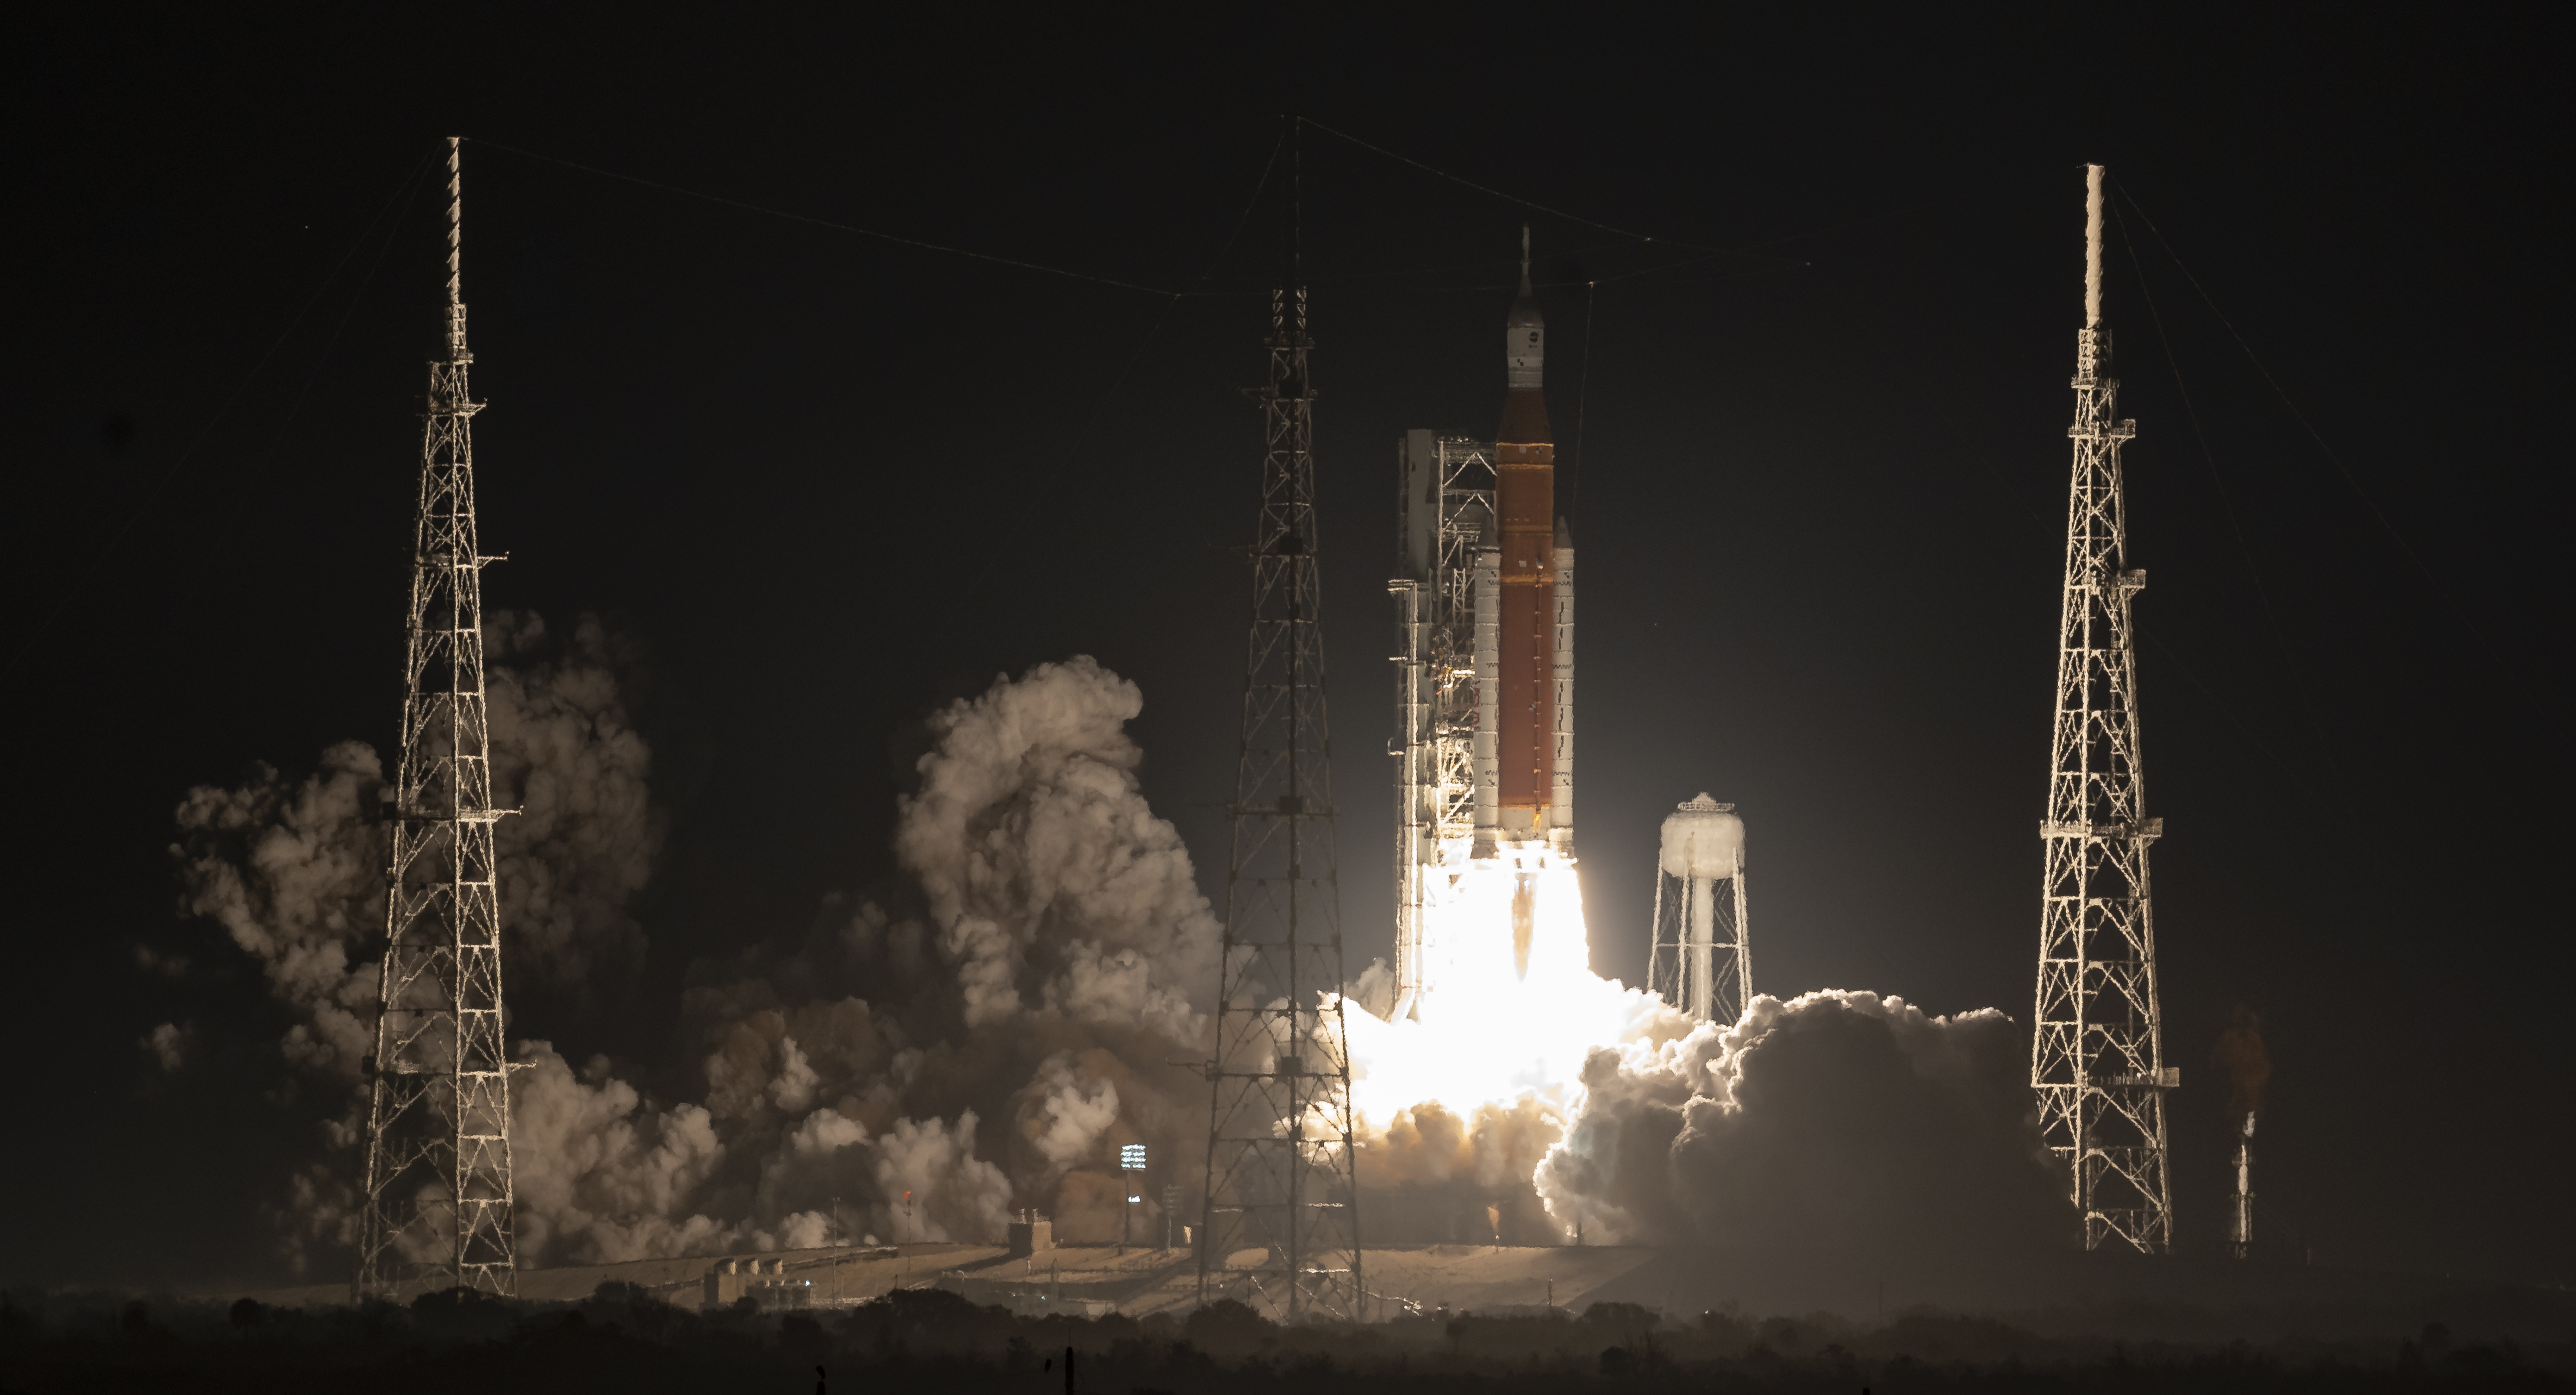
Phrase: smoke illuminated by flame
(1500, 1021)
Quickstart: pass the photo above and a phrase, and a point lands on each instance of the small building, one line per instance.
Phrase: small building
(1031, 1234)
(763, 1281)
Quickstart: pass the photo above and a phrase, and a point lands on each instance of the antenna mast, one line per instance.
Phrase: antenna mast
(1280, 1158)
(438, 1200)
(2097, 1052)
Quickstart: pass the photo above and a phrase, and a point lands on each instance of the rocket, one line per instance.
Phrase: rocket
(1485, 753)
(1528, 664)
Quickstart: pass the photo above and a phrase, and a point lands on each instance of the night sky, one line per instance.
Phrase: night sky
(819, 483)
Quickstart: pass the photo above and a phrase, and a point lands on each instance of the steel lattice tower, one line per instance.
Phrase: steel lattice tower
(1446, 516)
(438, 1202)
(1280, 1162)
(2097, 1055)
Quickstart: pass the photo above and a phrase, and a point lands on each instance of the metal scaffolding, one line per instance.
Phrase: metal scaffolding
(1445, 523)
(2097, 1056)
(1281, 1223)
(438, 1205)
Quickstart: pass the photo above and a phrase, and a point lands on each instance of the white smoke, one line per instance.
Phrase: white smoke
(986, 1035)
(1836, 1133)
(1375, 989)
(1040, 860)
(563, 755)
(1065, 1110)
(591, 1158)
(1433, 1174)
(294, 871)
(170, 1045)
(929, 1061)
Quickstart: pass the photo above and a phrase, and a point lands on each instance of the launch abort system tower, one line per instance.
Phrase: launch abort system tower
(2097, 1054)
(438, 1204)
(1280, 1161)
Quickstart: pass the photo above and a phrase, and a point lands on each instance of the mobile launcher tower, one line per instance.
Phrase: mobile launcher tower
(1484, 690)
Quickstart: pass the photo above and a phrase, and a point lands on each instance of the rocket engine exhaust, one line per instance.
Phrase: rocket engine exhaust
(1524, 921)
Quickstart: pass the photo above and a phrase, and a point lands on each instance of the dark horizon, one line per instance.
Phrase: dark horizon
(1811, 444)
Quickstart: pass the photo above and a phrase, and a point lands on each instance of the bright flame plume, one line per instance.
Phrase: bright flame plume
(1510, 1007)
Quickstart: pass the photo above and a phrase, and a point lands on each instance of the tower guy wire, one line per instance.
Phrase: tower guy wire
(2469, 619)
(438, 1207)
(2291, 668)
(2097, 1052)
(1280, 1175)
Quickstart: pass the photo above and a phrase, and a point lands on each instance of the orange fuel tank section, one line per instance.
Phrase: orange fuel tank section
(1525, 503)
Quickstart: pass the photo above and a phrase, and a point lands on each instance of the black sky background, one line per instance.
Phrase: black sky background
(820, 483)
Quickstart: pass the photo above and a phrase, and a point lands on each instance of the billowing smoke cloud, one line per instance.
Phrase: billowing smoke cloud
(985, 1032)
(979, 1039)
(565, 756)
(1435, 1176)
(1834, 1136)
(294, 870)
(591, 1157)
(170, 1045)
(1043, 868)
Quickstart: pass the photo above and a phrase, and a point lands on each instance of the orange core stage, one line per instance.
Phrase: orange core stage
(1525, 500)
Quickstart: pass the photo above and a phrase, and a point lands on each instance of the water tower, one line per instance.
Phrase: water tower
(1703, 951)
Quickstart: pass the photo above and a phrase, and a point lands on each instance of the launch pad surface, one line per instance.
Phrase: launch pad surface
(1092, 1280)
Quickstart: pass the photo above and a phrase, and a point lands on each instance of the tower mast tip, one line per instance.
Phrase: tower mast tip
(2092, 246)
(456, 250)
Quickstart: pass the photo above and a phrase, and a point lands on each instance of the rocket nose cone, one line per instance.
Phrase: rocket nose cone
(1525, 335)
(1525, 305)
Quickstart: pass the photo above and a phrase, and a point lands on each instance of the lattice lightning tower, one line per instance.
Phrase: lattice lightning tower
(438, 1200)
(1279, 1169)
(2097, 1055)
